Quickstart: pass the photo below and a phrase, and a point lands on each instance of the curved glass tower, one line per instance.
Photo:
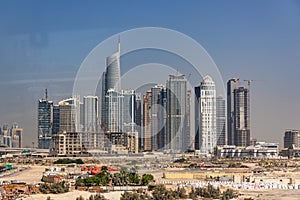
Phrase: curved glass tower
(113, 74)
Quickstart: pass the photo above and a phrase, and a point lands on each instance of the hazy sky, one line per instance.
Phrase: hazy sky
(42, 44)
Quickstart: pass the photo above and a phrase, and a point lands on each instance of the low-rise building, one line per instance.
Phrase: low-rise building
(259, 150)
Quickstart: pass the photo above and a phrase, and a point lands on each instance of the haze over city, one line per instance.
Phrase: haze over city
(43, 45)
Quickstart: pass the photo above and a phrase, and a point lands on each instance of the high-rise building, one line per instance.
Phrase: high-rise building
(162, 119)
(69, 115)
(238, 113)
(242, 117)
(17, 136)
(189, 141)
(147, 137)
(221, 121)
(154, 112)
(129, 111)
(56, 119)
(114, 105)
(291, 137)
(90, 113)
(138, 120)
(45, 108)
(176, 113)
(11, 136)
(207, 137)
(232, 84)
(113, 74)
(111, 79)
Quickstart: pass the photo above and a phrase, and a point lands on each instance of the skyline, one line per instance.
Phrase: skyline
(38, 54)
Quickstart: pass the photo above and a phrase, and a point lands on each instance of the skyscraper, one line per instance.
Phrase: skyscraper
(207, 138)
(221, 120)
(129, 111)
(176, 113)
(113, 74)
(154, 112)
(114, 105)
(138, 120)
(232, 84)
(111, 79)
(56, 119)
(189, 141)
(90, 113)
(45, 108)
(162, 119)
(242, 117)
(147, 137)
(69, 115)
(238, 114)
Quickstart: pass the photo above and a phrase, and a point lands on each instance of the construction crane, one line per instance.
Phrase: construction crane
(249, 82)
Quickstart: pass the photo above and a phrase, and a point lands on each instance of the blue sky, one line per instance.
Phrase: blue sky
(44, 42)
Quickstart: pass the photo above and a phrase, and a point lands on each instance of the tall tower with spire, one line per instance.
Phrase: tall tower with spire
(111, 80)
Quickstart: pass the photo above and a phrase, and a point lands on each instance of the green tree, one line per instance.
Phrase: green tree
(146, 179)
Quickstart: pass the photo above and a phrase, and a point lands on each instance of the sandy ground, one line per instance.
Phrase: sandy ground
(73, 195)
(270, 194)
(31, 176)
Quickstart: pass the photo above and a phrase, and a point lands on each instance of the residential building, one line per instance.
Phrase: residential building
(207, 116)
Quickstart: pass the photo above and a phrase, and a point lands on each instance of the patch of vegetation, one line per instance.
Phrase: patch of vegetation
(160, 192)
(121, 178)
(180, 160)
(93, 197)
(55, 188)
(68, 161)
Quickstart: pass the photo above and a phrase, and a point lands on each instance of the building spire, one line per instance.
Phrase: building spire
(46, 94)
(119, 45)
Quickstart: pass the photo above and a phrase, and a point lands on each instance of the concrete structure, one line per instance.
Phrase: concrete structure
(147, 137)
(176, 113)
(291, 137)
(260, 150)
(67, 144)
(44, 122)
(207, 139)
(124, 142)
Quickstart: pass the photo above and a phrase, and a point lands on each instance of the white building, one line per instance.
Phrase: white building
(207, 116)
(259, 150)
